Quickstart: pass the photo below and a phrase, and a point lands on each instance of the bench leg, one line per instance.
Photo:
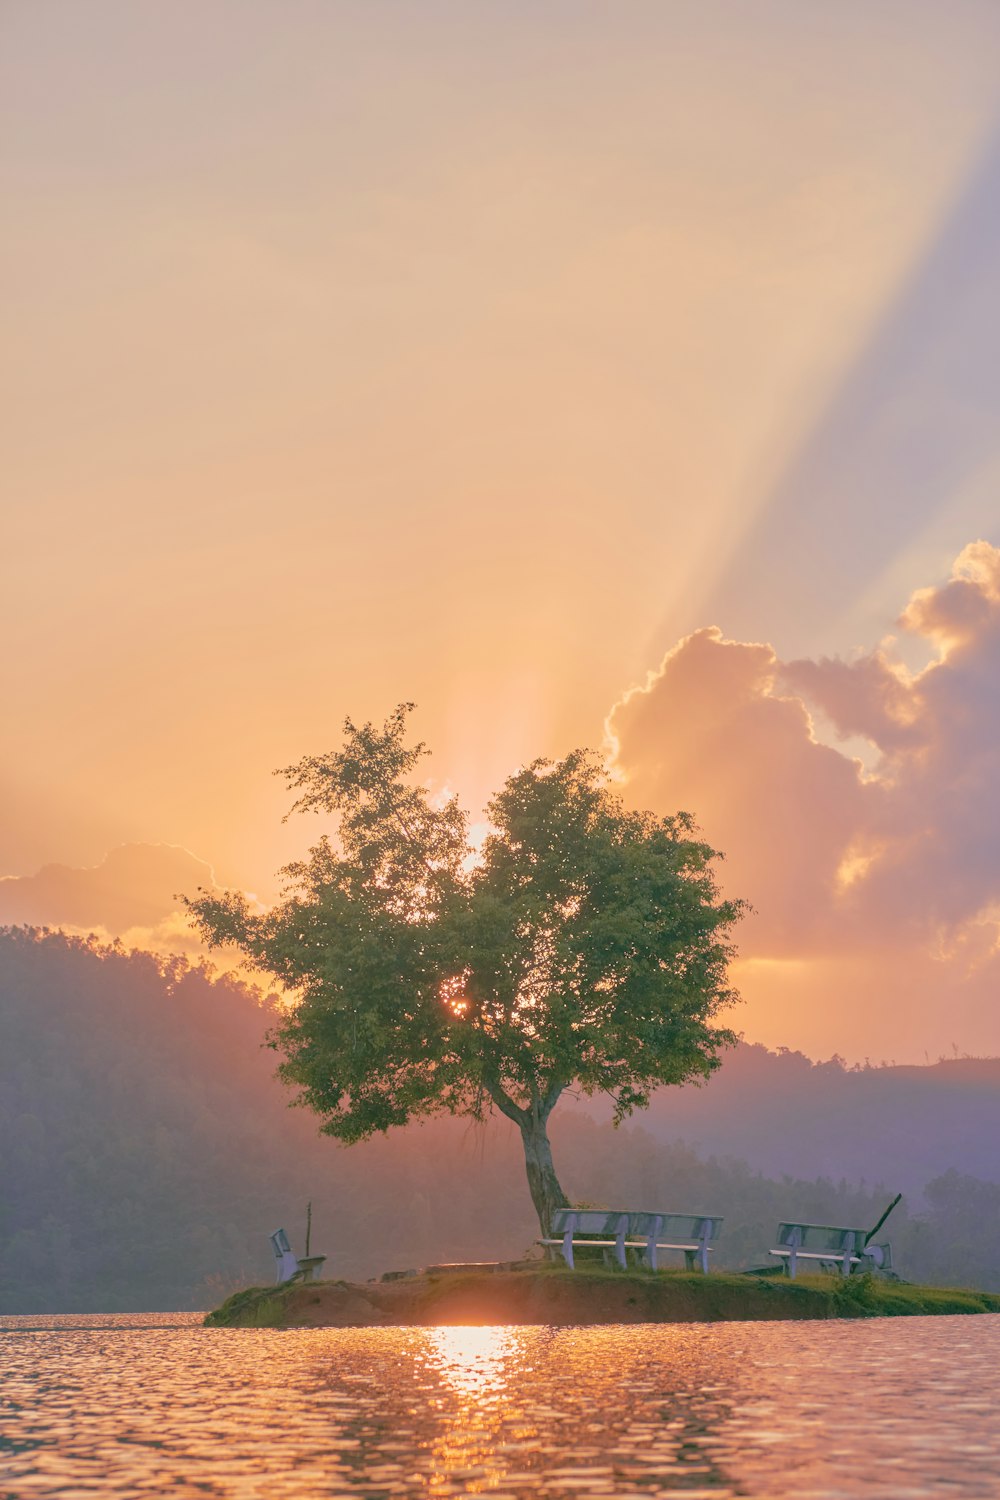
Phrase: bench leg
(567, 1248)
(654, 1235)
(689, 1256)
(848, 1252)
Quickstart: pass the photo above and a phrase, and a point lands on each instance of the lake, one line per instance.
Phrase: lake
(143, 1405)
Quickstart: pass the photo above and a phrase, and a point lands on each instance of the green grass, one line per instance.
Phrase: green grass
(258, 1306)
(719, 1295)
(871, 1296)
(253, 1307)
(852, 1296)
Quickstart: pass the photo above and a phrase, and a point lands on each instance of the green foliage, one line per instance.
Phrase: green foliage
(586, 945)
(957, 1239)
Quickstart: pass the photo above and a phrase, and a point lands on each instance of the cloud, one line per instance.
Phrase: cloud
(935, 830)
(884, 868)
(136, 886)
(711, 733)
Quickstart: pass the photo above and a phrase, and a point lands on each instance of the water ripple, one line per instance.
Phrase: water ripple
(123, 1407)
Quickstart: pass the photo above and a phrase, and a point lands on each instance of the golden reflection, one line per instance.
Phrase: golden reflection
(699, 1411)
(592, 1410)
(482, 1425)
(471, 1359)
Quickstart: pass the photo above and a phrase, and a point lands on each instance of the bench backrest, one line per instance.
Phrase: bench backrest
(830, 1237)
(675, 1226)
(586, 1221)
(284, 1256)
(601, 1221)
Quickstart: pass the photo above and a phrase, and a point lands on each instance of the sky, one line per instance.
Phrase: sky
(585, 374)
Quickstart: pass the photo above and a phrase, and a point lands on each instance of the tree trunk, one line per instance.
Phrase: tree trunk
(543, 1184)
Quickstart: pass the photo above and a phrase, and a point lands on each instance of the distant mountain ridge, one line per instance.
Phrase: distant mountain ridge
(785, 1114)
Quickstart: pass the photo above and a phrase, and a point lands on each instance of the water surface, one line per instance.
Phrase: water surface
(117, 1406)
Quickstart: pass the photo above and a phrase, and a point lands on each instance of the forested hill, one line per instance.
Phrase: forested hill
(788, 1115)
(147, 1151)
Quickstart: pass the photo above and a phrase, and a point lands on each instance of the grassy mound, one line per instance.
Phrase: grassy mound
(550, 1294)
(253, 1307)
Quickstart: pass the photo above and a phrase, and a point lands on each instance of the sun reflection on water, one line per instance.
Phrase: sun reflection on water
(481, 1423)
(472, 1360)
(118, 1412)
(607, 1423)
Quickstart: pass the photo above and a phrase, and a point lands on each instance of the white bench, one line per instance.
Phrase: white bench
(289, 1266)
(620, 1230)
(830, 1245)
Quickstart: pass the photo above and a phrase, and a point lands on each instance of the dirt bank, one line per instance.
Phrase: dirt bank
(554, 1296)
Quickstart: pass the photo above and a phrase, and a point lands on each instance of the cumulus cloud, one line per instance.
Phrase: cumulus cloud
(886, 870)
(712, 732)
(136, 887)
(934, 833)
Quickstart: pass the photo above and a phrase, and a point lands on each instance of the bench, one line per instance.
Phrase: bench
(289, 1266)
(620, 1230)
(830, 1245)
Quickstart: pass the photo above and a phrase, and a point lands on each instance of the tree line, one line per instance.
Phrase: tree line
(148, 1151)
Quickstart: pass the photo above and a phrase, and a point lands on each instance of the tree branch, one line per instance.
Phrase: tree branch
(505, 1104)
(411, 839)
(555, 1088)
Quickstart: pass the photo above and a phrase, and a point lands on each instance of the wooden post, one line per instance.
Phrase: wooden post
(309, 1225)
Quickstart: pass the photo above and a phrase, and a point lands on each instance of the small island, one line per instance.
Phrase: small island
(580, 945)
(539, 1293)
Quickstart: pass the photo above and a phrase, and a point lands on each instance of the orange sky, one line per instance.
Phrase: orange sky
(478, 355)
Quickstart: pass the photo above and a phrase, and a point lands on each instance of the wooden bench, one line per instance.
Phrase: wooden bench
(830, 1245)
(620, 1230)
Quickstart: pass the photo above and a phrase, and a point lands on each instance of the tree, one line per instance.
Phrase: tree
(584, 945)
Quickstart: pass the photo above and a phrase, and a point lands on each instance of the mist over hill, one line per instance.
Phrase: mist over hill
(147, 1151)
(785, 1114)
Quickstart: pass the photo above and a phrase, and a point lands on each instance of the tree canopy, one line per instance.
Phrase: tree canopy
(583, 945)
